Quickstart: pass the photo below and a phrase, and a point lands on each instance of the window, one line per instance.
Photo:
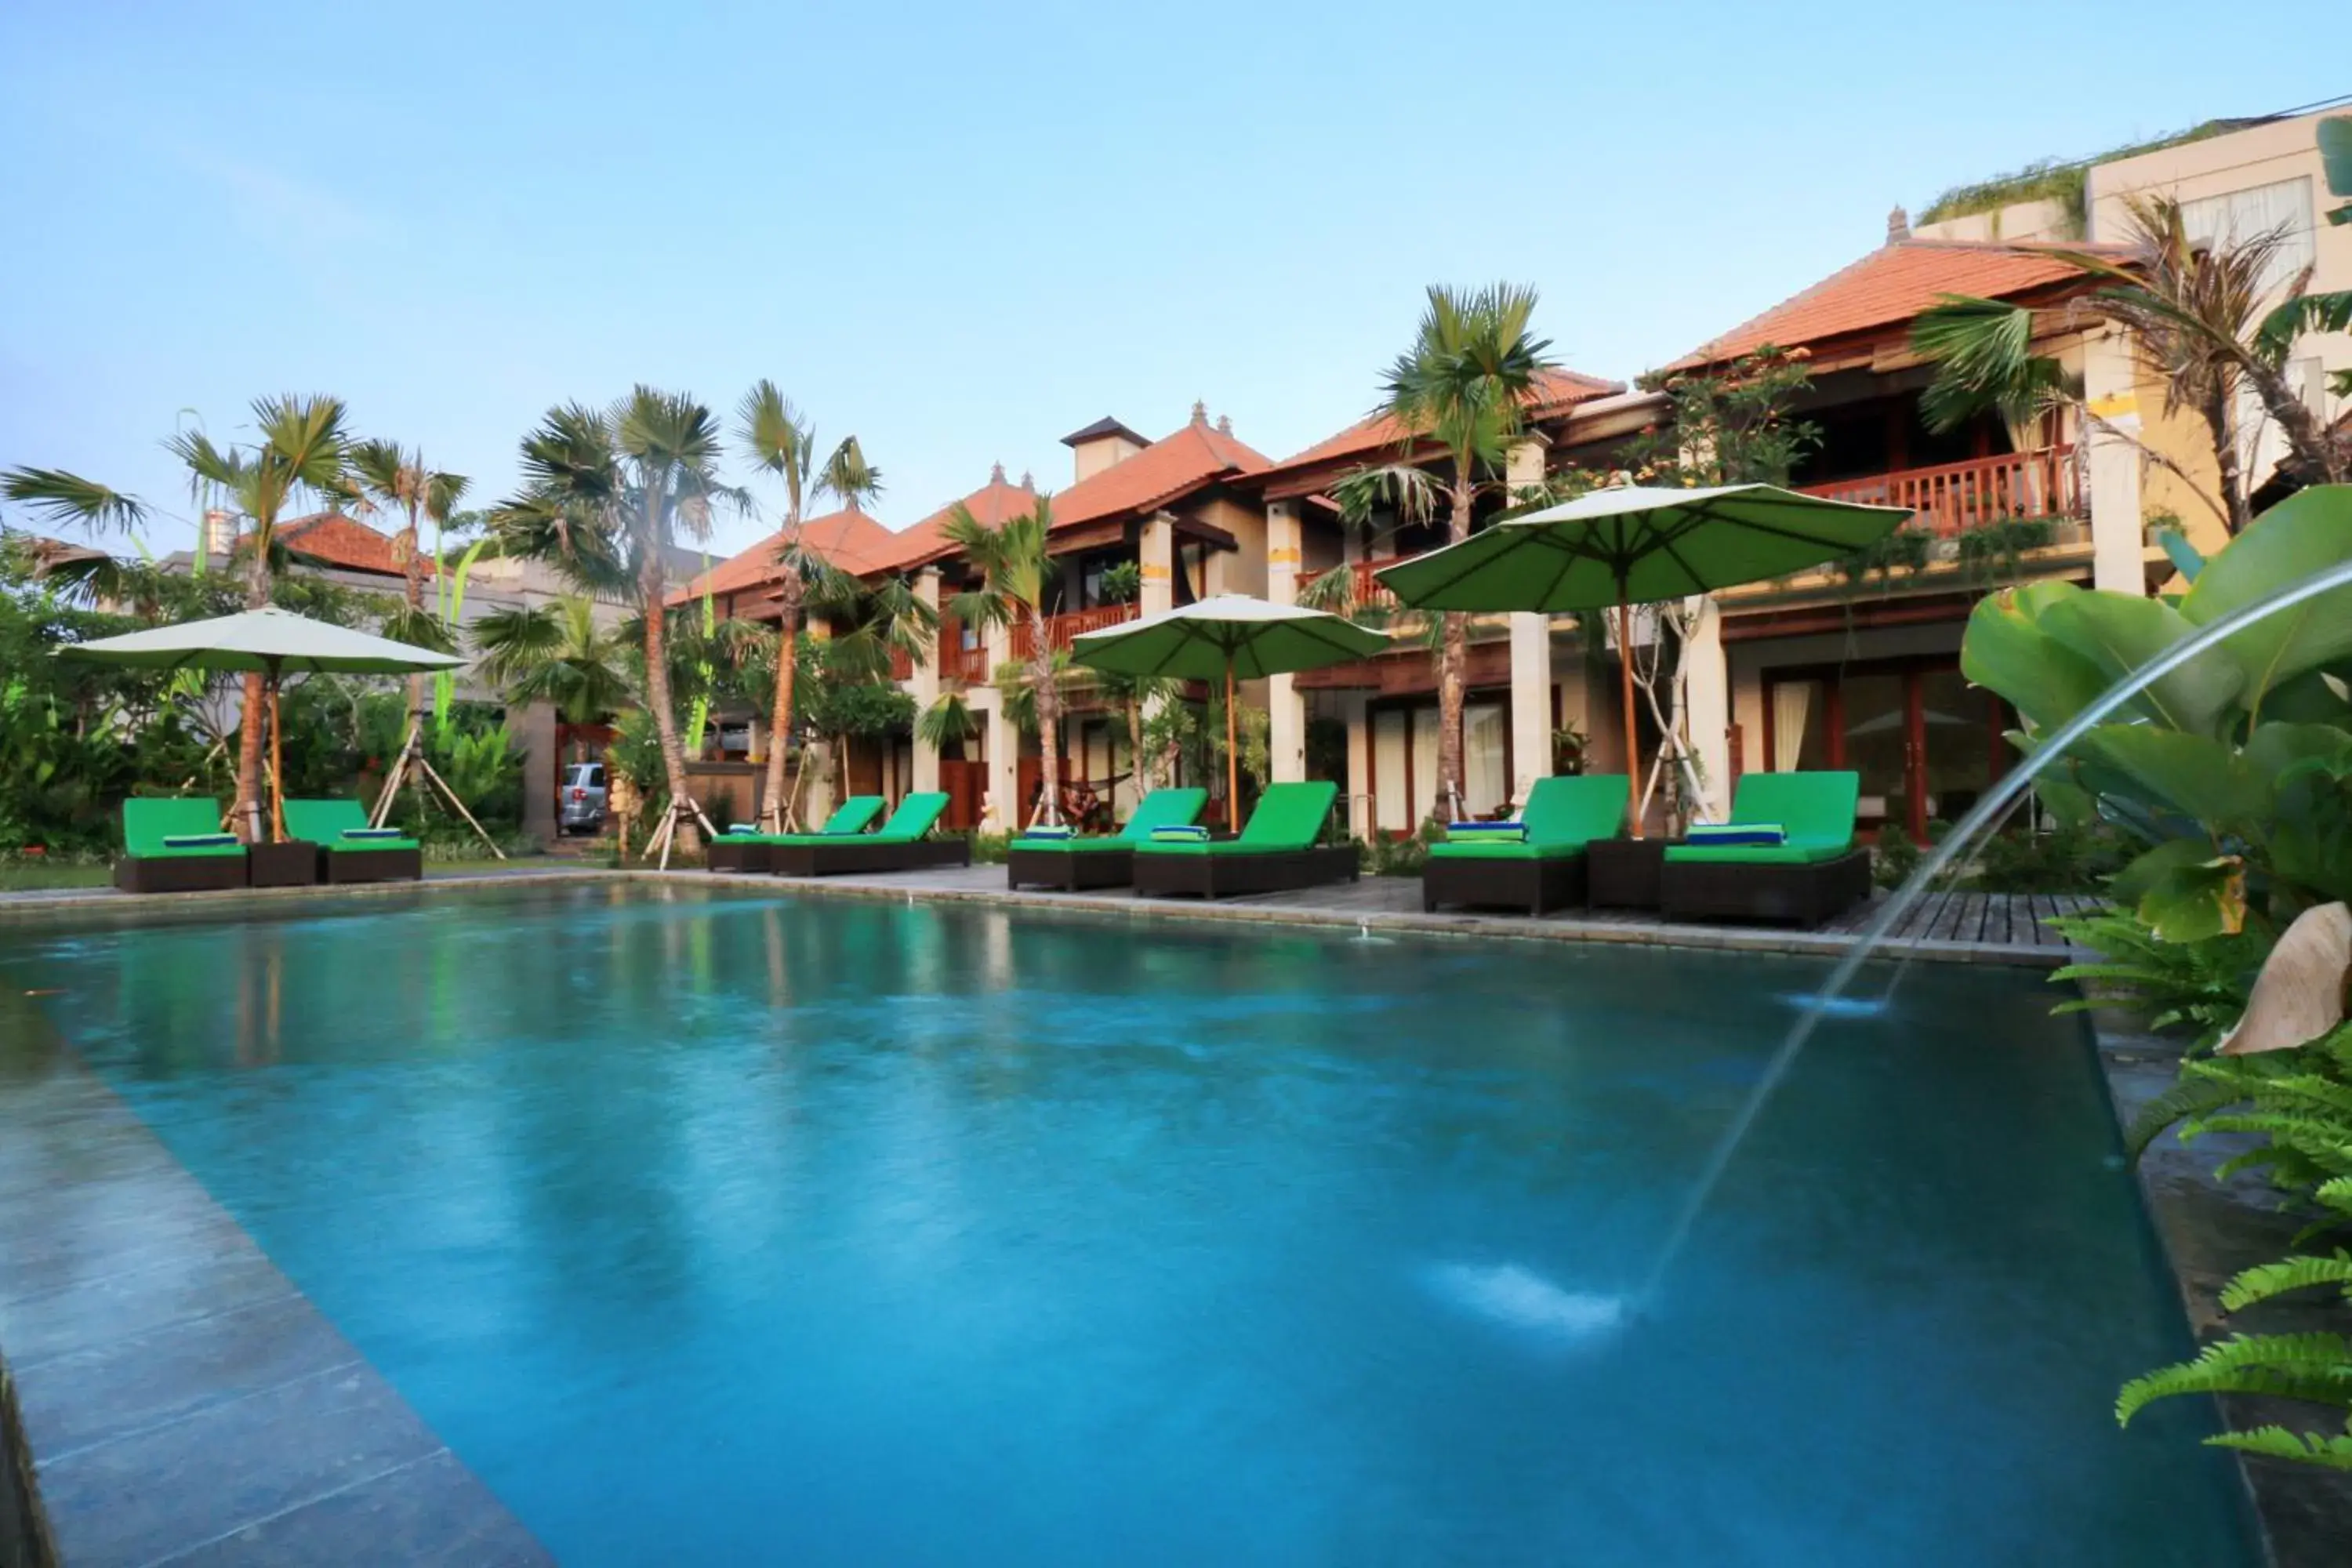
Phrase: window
(2237, 216)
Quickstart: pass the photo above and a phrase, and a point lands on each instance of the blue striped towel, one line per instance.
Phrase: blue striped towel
(1724, 834)
(364, 834)
(197, 840)
(1054, 830)
(1192, 835)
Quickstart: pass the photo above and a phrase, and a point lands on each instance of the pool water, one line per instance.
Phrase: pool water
(718, 1228)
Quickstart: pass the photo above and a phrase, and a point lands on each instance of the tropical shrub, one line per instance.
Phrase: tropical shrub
(2230, 780)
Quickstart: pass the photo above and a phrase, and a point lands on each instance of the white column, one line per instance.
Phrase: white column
(1156, 553)
(1286, 709)
(1532, 672)
(925, 685)
(1707, 714)
(1360, 763)
(2118, 534)
(541, 769)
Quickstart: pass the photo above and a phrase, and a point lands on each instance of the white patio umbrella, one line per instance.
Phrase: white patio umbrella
(275, 642)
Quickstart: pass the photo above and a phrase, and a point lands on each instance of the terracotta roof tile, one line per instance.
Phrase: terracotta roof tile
(1196, 455)
(1890, 286)
(330, 539)
(1555, 390)
(849, 539)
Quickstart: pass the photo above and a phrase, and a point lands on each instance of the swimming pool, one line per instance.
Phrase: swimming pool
(726, 1227)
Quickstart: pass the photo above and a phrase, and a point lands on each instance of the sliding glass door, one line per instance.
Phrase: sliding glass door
(1926, 743)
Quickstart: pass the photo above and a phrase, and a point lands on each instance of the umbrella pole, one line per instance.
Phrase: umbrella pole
(1625, 677)
(1233, 756)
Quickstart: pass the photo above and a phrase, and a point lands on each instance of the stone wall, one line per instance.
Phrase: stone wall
(25, 1540)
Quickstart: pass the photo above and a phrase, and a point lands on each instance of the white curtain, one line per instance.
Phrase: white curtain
(1425, 765)
(1486, 783)
(1792, 700)
(1389, 785)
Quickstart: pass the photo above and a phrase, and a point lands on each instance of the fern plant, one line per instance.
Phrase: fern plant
(2301, 1108)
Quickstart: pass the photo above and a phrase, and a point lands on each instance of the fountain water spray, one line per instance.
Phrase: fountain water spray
(1996, 802)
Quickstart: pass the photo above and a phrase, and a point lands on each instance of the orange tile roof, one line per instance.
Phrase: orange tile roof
(1175, 466)
(330, 539)
(1889, 287)
(1555, 390)
(849, 539)
(926, 541)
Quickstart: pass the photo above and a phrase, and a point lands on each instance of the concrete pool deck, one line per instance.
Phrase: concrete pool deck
(1955, 928)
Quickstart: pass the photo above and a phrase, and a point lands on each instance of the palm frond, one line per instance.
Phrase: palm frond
(58, 497)
(2265, 1280)
(2313, 1367)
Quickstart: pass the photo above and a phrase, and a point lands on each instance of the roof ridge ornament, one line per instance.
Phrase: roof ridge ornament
(1199, 413)
(996, 474)
(1898, 227)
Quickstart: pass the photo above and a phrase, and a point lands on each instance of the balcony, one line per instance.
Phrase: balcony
(1060, 629)
(1952, 498)
(1367, 590)
(902, 665)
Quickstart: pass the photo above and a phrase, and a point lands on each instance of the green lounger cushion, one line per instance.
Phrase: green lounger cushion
(915, 816)
(850, 816)
(324, 823)
(1562, 815)
(1815, 809)
(1161, 808)
(1288, 818)
(149, 822)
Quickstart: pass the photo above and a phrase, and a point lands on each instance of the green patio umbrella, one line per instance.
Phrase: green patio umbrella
(275, 642)
(1638, 545)
(1231, 636)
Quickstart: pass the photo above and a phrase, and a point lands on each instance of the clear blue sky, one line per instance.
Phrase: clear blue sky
(962, 231)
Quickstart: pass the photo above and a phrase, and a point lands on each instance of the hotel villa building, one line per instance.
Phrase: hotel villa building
(1829, 670)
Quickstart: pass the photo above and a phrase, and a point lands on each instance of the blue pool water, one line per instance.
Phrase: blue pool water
(711, 1228)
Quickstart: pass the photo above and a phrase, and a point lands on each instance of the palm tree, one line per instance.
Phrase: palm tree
(1464, 384)
(557, 654)
(780, 442)
(1133, 695)
(387, 477)
(606, 495)
(1016, 575)
(2201, 325)
(300, 451)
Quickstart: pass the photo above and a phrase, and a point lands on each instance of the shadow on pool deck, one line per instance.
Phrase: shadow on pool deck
(186, 1403)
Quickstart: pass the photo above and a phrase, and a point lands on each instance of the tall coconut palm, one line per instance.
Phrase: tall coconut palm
(300, 453)
(1463, 386)
(384, 477)
(779, 441)
(1017, 576)
(607, 493)
(556, 653)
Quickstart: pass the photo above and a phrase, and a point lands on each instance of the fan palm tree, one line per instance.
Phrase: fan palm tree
(1463, 386)
(779, 441)
(300, 451)
(606, 495)
(386, 478)
(557, 654)
(1016, 576)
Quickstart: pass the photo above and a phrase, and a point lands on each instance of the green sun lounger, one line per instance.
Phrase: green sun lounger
(1106, 862)
(176, 846)
(349, 849)
(1546, 872)
(1813, 875)
(902, 844)
(1277, 850)
(741, 849)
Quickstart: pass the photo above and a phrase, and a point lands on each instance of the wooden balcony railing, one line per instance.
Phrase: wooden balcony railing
(902, 665)
(1060, 629)
(1952, 498)
(1370, 592)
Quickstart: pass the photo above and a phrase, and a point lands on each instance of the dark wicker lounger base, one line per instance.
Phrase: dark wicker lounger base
(849, 858)
(347, 866)
(179, 873)
(1807, 895)
(721, 856)
(1071, 871)
(1538, 886)
(1228, 876)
